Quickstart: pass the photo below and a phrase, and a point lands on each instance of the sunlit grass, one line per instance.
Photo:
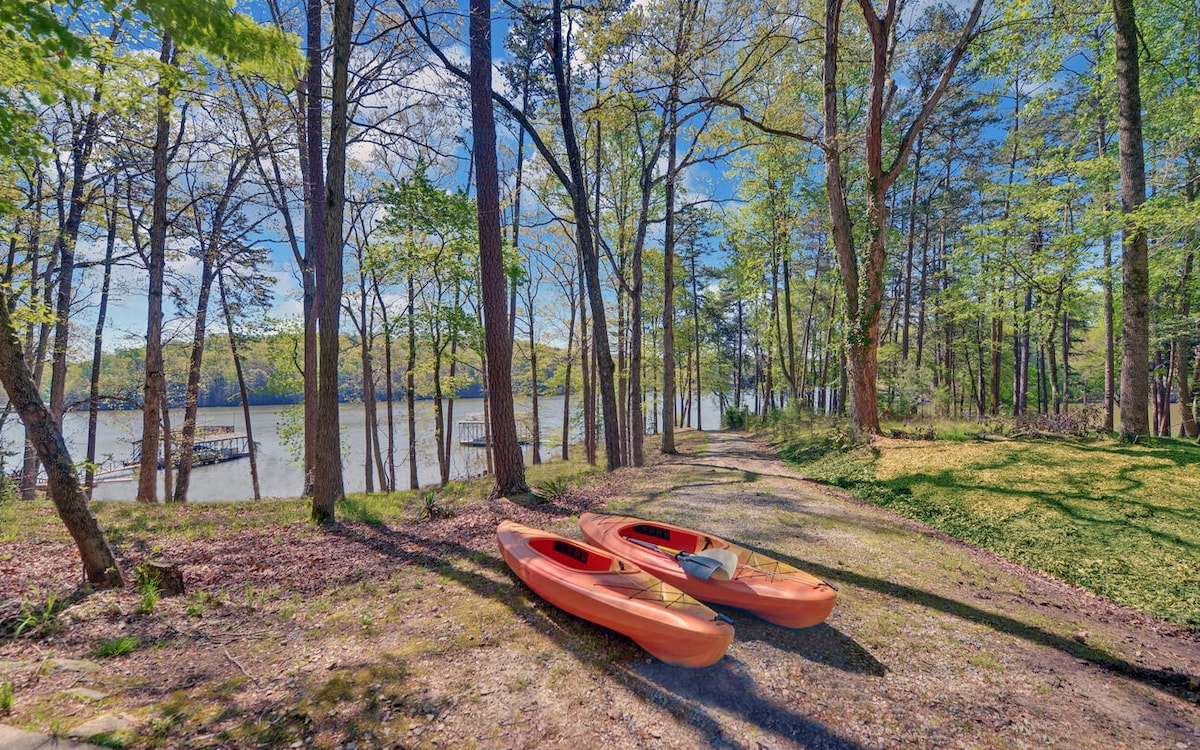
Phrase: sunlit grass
(36, 521)
(1121, 520)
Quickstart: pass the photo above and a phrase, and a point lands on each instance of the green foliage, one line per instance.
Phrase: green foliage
(37, 618)
(734, 418)
(432, 509)
(7, 697)
(551, 489)
(147, 584)
(354, 508)
(116, 646)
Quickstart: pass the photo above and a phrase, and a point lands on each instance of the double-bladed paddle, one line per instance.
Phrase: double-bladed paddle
(694, 565)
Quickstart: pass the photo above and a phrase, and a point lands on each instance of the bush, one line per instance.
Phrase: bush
(734, 418)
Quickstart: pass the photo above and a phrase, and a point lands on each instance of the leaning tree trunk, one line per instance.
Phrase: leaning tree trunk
(67, 494)
(508, 464)
(242, 391)
(602, 354)
(183, 477)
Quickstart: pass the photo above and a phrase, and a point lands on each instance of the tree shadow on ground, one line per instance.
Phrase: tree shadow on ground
(823, 643)
(1080, 507)
(1175, 683)
(699, 697)
(661, 683)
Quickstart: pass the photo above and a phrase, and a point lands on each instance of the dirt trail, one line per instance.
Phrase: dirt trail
(415, 634)
(933, 643)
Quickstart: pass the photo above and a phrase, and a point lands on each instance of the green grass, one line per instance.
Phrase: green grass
(7, 697)
(117, 646)
(1120, 520)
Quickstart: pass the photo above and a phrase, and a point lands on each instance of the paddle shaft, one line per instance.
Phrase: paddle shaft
(693, 565)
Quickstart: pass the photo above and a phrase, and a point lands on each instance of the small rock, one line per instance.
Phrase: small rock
(11, 666)
(72, 665)
(1081, 636)
(88, 694)
(103, 724)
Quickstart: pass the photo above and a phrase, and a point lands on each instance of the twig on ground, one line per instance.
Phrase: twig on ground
(238, 664)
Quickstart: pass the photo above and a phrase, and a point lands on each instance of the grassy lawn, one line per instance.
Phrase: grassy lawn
(1120, 520)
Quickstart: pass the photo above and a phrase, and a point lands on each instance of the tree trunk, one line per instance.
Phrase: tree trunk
(168, 451)
(410, 385)
(313, 157)
(328, 488)
(536, 427)
(668, 314)
(389, 392)
(696, 326)
(370, 436)
(70, 500)
(439, 415)
(98, 352)
(155, 387)
(187, 444)
(586, 395)
(252, 452)
(739, 378)
(587, 245)
(83, 140)
(1135, 277)
(509, 464)
(1181, 350)
(566, 417)
(864, 293)
(909, 244)
(29, 467)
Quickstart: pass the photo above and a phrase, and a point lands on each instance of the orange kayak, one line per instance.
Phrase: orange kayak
(773, 590)
(598, 586)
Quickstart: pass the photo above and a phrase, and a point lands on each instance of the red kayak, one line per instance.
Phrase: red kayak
(598, 586)
(773, 590)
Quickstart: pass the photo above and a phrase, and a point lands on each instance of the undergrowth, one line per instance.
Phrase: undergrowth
(1119, 520)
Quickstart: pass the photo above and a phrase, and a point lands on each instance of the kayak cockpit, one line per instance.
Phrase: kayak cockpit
(571, 555)
(668, 537)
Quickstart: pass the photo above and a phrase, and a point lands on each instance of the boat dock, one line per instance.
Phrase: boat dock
(213, 444)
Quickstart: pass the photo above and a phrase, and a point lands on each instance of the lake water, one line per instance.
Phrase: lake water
(279, 473)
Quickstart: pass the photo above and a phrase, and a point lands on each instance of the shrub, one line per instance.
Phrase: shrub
(734, 418)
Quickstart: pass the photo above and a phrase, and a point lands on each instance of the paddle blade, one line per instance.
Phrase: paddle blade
(728, 560)
(698, 567)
